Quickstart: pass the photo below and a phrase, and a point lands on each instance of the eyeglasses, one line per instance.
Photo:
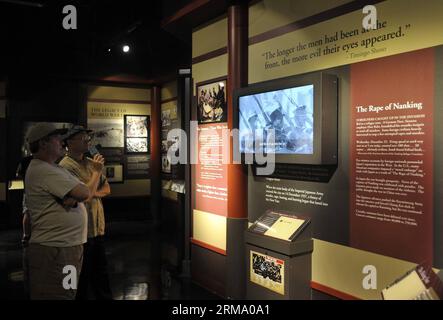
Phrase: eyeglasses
(84, 138)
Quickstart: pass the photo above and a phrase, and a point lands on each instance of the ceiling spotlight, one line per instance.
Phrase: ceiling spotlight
(126, 48)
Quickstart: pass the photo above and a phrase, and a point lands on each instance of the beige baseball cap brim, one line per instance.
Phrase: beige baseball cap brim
(74, 130)
(43, 130)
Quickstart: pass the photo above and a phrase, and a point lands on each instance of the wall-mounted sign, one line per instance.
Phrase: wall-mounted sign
(391, 156)
(137, 166)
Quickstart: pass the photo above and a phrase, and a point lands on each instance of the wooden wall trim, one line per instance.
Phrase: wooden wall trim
(210, 55)
(237, 78)
(311, 20)
(183, 12)
(119, 101)
(293, 26)
(208, 246)
(169, 100)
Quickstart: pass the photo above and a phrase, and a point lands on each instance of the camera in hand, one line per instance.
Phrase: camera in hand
(93, 150)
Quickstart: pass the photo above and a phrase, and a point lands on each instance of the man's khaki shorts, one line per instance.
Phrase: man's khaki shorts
(47, 280)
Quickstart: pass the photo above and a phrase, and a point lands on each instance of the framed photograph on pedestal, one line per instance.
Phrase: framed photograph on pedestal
(137, 134)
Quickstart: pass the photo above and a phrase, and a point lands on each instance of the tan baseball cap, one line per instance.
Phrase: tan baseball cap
(74, 130)
(43, 130)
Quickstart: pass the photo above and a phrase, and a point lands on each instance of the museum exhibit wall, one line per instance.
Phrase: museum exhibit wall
(209, 215)
(65, 102)
(106, 110)
(380, 205)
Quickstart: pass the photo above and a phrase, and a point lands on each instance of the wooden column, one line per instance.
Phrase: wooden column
(237, 78)
(155, 142)
(237, 174)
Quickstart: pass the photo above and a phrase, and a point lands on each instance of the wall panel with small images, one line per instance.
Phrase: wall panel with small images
(379, 202)
(209, 199)
(120, 119)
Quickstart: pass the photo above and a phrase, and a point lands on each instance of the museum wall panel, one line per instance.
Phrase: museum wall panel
(289, 38)
(171, 122)
(210, 37)
(308, 49)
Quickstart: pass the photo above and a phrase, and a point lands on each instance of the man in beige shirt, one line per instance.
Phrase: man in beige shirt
(58, 230)
(94, 280)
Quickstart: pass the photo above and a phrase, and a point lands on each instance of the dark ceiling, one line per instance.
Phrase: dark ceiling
(35, 44)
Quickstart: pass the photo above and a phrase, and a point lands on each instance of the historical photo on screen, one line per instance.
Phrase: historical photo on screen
(107, 132)
(136, 126)
(211, 102)
(280, 121)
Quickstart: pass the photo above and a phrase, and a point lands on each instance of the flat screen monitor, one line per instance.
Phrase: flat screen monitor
(294, 118)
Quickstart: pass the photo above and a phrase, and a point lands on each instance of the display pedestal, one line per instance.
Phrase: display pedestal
(279, 269)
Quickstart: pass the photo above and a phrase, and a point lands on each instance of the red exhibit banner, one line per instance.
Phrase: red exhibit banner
(211, 174)
(391, 156)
